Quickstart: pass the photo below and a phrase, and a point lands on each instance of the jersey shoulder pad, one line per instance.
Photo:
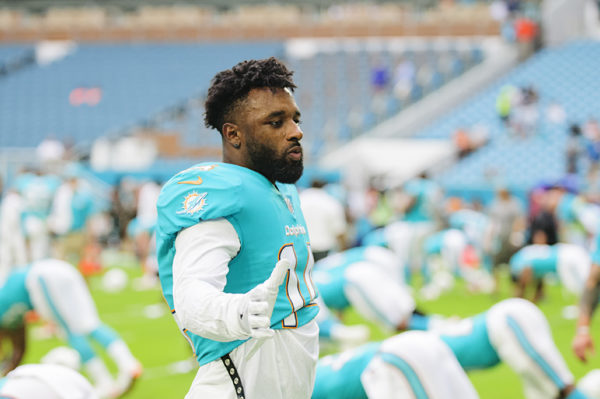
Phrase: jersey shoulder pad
(202, 192)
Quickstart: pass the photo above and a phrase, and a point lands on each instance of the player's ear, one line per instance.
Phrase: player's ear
(231, 134)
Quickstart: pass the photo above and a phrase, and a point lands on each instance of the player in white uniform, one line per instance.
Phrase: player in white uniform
(583, 342)
(13, 250)
(516, 332)
(414, 364)
(365, 278)
(57, 292)
(232, 245)
(571, 263)
(48, 381)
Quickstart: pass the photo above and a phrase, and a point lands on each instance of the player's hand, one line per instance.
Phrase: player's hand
(581, 344)
(261, 300)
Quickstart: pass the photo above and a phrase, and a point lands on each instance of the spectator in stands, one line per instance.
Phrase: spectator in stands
(467, 141)
(380, 76)
(555, 113)
(404, 79)
(525, 117)
(325, 218)
(504, 103)
(591, 131)
(574, 148)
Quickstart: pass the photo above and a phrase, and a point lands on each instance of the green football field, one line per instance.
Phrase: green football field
(143, 320)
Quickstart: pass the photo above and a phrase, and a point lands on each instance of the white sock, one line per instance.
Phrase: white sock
(120, 353)
(100, 376)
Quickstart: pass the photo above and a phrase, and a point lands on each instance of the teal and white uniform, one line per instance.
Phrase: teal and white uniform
(359, 278)
(519, 333)
(14, 299)
(475, 225)
(450, 244)
(469, 341)
(57, 292)
(425, 193)
(542, 259)
(572, 213)
(269, 223)
(516, 332)
(570, 262)
(410, 365)
(48, 381)
(338, 376)
(37, 193)
(73, 206)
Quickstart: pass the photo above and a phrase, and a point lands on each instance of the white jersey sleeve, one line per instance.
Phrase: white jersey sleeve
(200, 266)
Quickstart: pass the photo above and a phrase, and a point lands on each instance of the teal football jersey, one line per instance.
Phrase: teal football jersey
(596, 250)
(543, 259)
(470, 343)
(270, 226)
(424, 191)
(338, 376)
(329, 276)
(14, 299)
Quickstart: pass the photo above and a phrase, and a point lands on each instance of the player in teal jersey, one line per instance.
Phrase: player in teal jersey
(583, 342)
(37, 191)
(569, 262)
(48, 381)
(513, 331)
(516, 332)
(230, 233)
(410, 365)
(58, 293)
(367, 278)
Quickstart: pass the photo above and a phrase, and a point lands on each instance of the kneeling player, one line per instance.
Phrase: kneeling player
(48, 381)
(414, 364)
(359, 279)
(532, 263)
(516, 332)
(57, 292)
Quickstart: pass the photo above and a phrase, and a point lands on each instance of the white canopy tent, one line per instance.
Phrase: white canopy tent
(394, 160)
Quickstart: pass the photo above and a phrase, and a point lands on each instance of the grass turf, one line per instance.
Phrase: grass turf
(144, 322)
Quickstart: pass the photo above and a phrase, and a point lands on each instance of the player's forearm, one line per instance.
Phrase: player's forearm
(589, 298)
(210, 313)
(588, 304)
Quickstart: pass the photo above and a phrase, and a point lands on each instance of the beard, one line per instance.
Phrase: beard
(273, 166)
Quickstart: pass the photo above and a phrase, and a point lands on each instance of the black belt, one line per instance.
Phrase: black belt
(235, 377)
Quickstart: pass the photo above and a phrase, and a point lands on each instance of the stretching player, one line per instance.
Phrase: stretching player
(445, 257)
(58, 293)
(48, 381)
(530, 264)
(414, 364)
(364, 278)
(516, 332)
(230, 233)
(582, 342)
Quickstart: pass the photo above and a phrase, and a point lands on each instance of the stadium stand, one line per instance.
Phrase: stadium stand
(104, 89)
(14, 57)
(563, 75)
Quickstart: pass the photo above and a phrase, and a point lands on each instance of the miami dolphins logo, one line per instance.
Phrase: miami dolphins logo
(193, 202)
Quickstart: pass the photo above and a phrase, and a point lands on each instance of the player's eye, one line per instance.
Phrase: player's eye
(276, 124)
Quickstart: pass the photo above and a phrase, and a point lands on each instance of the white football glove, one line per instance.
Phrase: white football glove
(256, 315)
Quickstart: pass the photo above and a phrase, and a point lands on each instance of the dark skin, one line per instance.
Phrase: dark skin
(268, 117)
(583, 345)
(16, 337)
